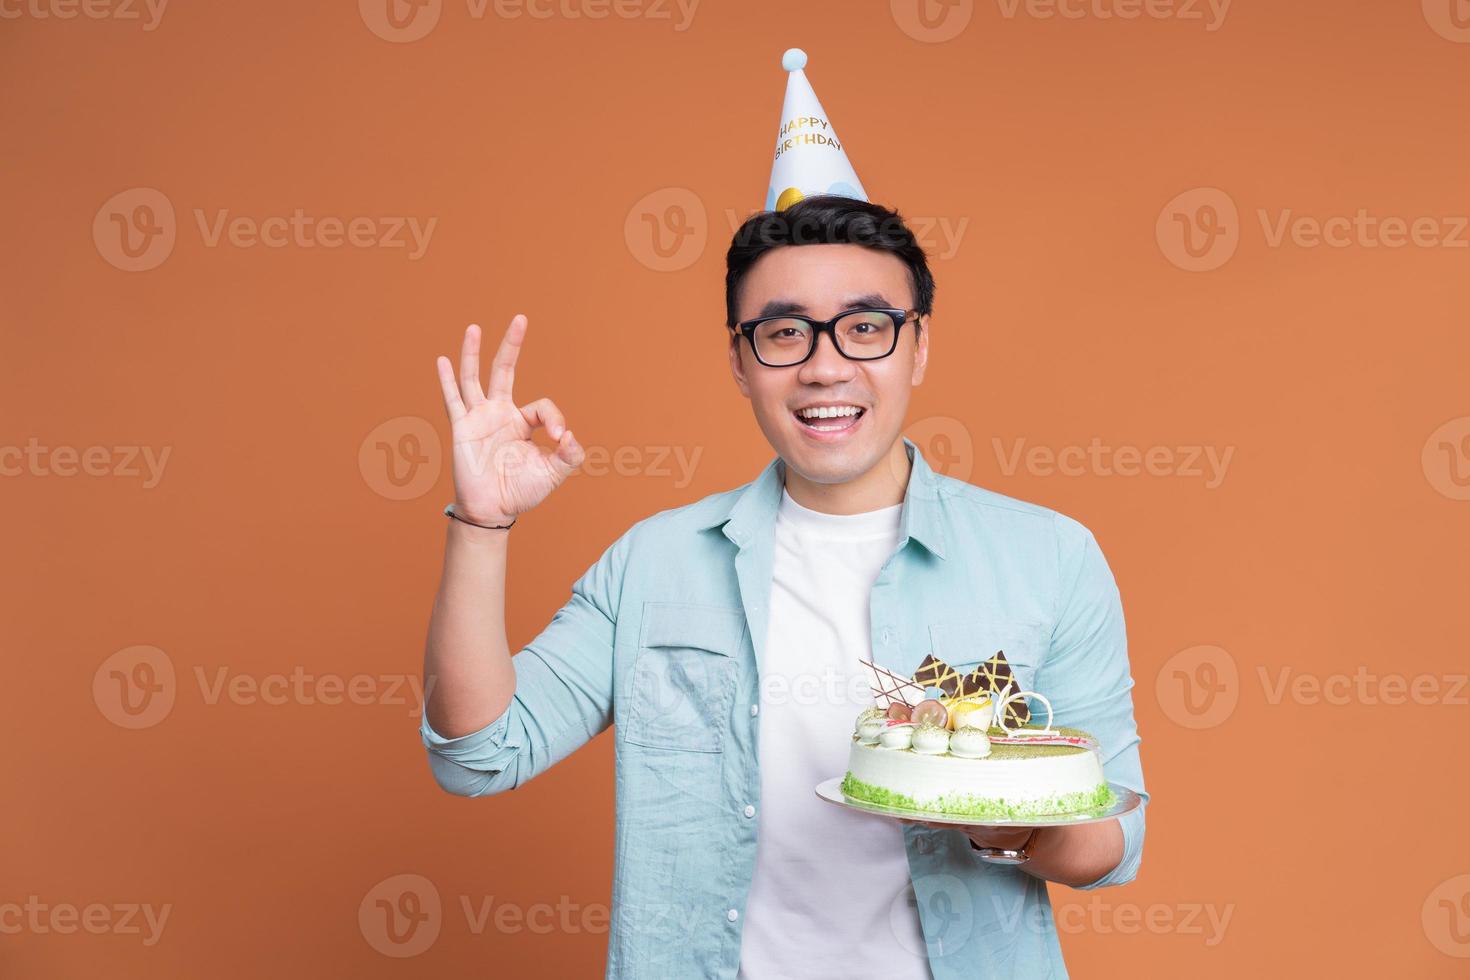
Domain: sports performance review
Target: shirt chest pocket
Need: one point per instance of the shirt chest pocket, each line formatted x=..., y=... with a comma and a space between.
x=684, y=677
x=966, y=644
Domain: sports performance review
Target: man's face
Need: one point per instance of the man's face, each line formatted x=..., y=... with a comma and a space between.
x=822, y=281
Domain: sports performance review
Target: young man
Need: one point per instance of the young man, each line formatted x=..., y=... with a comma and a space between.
x=722, y=641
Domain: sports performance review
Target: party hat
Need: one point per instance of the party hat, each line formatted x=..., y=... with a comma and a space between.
x=810, y=159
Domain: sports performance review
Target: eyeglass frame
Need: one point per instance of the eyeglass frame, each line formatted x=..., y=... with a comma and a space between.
x=819, y=327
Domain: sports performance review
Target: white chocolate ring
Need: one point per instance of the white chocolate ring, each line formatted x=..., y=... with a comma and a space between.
x=1000, y=712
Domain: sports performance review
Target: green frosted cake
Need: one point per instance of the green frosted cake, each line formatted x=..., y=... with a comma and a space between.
x=960, y=748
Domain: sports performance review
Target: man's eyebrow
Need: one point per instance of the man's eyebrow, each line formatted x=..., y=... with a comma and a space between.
x=783, y=307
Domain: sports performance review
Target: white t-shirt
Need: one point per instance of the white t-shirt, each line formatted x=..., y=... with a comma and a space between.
x=830, y=896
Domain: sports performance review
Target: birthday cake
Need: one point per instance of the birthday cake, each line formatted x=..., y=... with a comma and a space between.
x=965, y=745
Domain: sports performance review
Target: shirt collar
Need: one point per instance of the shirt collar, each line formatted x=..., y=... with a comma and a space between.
x=754, y=507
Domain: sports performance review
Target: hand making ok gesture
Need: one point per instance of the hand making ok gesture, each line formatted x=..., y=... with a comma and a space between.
x=499, y=472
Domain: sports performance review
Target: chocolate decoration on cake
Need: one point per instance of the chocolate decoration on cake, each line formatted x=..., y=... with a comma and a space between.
x=991, y=677
x=994, y=676
x=890, y=689
x=934, y=672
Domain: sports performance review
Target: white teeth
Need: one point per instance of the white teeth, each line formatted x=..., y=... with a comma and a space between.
x=828, y=412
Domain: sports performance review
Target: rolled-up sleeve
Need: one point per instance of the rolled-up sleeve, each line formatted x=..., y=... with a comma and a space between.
x=563, y=695
x=1087, y=677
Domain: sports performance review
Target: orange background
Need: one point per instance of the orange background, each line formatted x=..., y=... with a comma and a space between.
x=1331, y=834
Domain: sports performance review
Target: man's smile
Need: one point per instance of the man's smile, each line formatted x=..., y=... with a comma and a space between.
x=829, y=420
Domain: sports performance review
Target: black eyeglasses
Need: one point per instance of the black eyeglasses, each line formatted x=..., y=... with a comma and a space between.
x=858, y=335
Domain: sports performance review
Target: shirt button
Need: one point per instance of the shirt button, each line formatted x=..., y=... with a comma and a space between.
x=755, y=709
x=732, y=915
x=888, y=636
x=749, y=810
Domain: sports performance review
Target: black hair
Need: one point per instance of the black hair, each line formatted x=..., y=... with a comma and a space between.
x=826, y=219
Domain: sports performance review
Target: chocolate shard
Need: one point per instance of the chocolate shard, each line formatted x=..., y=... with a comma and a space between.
x=934, y=672
x=993, y=677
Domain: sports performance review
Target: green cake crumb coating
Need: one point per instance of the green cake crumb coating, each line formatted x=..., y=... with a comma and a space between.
x=983, y=807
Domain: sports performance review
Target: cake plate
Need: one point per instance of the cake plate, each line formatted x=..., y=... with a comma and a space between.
x=1127, y=801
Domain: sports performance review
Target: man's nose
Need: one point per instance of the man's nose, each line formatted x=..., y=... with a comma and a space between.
x=826, y=362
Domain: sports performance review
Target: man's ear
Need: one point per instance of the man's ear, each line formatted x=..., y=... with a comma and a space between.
x=737, y=367
x=921, y=352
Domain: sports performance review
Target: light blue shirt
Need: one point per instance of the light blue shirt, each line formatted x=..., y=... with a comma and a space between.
x=661, y=638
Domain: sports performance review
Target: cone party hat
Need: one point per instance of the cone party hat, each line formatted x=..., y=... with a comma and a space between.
x=810, y=159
